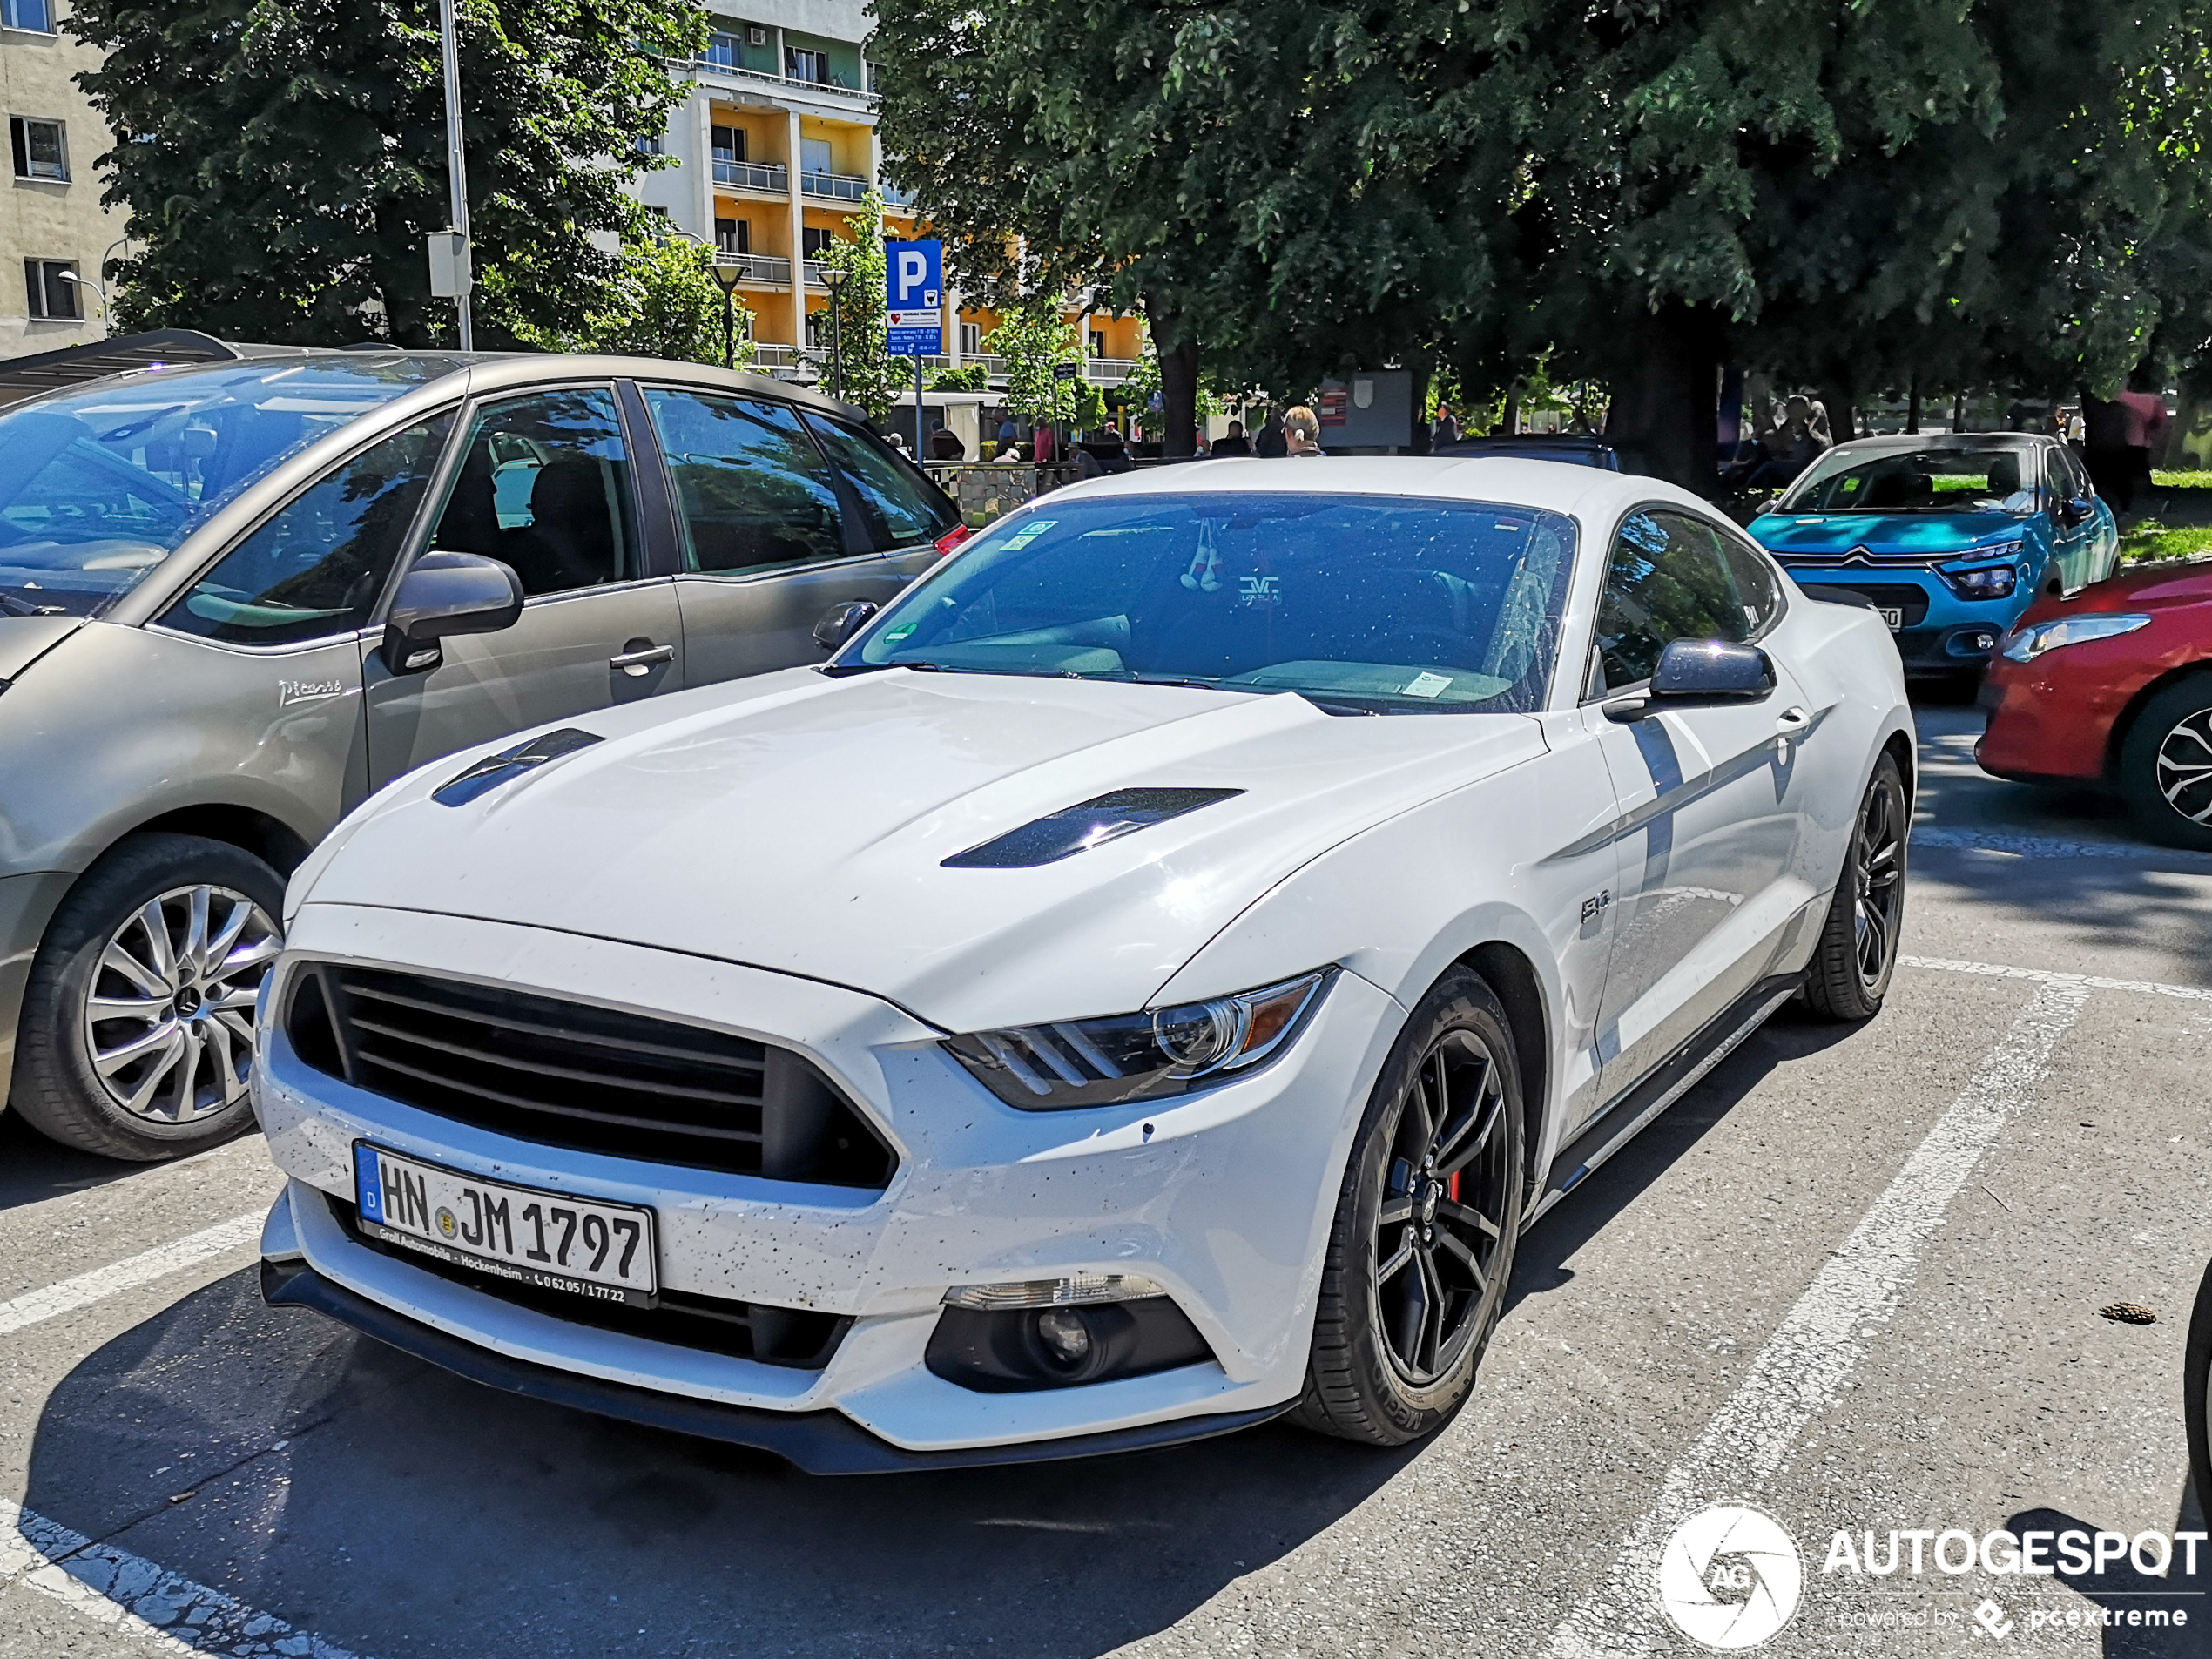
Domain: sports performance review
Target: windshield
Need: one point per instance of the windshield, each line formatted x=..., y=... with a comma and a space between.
x=1377, y=604
x=1998, y=476
x=99, y=487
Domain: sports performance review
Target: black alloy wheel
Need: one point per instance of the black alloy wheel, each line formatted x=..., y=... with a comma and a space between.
x=1856, y=955
x=1437, y=1240
x=1422, y=1243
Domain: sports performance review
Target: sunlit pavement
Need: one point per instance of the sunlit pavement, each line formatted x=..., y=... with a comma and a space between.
x=192, y=1469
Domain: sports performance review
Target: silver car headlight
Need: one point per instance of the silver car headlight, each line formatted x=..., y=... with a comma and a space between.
x=2030, y=643
x=1149, y=1055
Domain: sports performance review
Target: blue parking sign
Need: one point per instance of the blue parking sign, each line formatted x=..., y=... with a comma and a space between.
x=913, y=285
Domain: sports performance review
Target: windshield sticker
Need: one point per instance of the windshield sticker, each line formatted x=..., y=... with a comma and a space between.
x=900, y=633
x=1029, y=533
x=1260, y=590
x=1427, y=684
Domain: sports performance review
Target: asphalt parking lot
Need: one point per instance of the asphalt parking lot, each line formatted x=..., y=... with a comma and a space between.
x=1853, y=1278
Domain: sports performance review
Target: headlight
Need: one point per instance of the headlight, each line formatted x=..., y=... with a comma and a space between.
x=2028, y=643
x=1151, y=1056
x=1983, y=582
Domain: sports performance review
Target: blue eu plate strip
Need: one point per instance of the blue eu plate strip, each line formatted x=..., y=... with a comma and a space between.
x=369, y=1182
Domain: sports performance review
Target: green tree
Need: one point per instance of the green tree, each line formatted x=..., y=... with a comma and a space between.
x=281, y=163
x=874, y=378
x=663, y=301
x=969, y=377
x=1033, y=337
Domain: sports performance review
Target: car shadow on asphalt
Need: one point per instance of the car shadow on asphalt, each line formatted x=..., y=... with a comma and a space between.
x=1540, y=1263
x=33, y=1168
x=392, y=1507
x=2119, y=1591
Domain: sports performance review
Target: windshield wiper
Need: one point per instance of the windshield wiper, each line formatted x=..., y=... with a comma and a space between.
x=1182, y=679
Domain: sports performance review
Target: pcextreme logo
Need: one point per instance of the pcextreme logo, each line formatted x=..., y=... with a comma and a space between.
x=1731, y=1577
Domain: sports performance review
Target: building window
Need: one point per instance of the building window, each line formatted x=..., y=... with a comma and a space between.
x=816, y=242
x=817, y=330
x=733, y=235
x=38, y=148
x=52, y=290
x=725, y=51
x=37, y=15
x=801, y=65
x=1097, y=342
x=971, y=340
x=729, y=144
x=650, y=145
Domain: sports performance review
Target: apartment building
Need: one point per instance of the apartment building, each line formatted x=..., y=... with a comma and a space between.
x=53, y=232
x=775, y=149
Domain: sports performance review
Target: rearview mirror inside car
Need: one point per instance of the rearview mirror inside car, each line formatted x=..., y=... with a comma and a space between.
x=841, y=623
x=445, y=594
x=1699, y=673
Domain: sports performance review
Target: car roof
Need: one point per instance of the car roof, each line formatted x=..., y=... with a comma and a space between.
x=1561, y=486
x=1893, y=442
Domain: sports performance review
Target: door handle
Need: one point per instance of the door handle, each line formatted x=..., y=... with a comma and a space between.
x=1792, y=720
x=638, y=660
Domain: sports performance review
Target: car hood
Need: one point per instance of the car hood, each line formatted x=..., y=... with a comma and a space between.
x=2152, y=588
x=800, y=823
x=23, y=640
x=1929, y=537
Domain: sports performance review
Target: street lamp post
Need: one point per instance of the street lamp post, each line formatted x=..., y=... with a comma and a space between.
x=456, y=165
x=726, y=277
x=77, y=281
x=834, y=279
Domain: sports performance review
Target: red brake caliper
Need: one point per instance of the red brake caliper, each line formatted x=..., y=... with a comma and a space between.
x=1452, y=1186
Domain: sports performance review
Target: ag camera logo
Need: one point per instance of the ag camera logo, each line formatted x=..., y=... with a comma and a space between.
x=1731, y=1577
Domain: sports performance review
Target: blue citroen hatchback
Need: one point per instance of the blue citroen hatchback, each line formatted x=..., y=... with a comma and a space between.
x=1949, y=537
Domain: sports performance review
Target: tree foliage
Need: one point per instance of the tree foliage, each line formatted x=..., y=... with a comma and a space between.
x=281, y=163
x=872, y=377
x=1033, y=338
x=662, y=301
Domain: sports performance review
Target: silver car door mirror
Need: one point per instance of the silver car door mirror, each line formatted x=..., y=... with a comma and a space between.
x=446, y=594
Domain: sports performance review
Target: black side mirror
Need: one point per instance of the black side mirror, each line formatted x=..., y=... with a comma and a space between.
x=445, y=594
x=1699, y=673
x=841, y=623
x=2075, y=510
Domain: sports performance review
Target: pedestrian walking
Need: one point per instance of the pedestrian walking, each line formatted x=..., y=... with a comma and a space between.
x=1234, y=443
x=1446, y=430
x=1302, y=432
x=1271, y=443
x=2105, y=451
x=2143, y=422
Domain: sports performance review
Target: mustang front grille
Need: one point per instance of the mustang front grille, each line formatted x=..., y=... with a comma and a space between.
x=569, y=1073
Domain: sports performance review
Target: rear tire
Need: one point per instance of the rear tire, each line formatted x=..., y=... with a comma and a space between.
x=2166, y=764
x=1422, y=1245
x=136, y=1036
x=1853, y=964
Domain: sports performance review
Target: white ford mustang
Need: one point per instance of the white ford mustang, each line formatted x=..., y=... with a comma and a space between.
x=1142, y=984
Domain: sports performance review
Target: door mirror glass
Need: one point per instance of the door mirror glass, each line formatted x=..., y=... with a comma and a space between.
x=442, y=595
x=317, y=569
x=841, y=623
x=544, y=489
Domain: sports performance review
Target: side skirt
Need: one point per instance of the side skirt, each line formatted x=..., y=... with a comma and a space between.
x=1625, y=1115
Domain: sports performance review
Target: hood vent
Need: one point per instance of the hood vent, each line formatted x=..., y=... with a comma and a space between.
x=494, y=770
x=1077, y=829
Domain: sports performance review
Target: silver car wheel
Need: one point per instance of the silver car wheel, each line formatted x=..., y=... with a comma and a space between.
x=2185, y=768
x=169, y=1022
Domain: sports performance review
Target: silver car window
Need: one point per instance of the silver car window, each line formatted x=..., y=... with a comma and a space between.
x=316, y=567
x=97, y=487
x=544, y=486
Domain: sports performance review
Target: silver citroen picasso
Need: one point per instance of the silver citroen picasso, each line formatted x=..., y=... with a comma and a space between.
x=236, y=598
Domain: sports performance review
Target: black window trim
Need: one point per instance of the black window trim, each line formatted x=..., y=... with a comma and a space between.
x=1593, y=663
x=861, y=433
x=435, y=491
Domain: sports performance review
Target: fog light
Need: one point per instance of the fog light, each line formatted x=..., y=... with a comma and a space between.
x=1976, y=644
x=1066, y=1335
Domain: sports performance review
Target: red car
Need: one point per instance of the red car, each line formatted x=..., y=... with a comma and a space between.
x=2113, y=685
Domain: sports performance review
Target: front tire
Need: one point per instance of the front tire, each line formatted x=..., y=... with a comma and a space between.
x=2166, y=764
x=1422, y=1244
x=136, y=1039
x=1851, y=965
x=2196, y=1377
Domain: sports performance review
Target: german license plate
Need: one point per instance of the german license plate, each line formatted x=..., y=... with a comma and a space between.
x=551, y=1240
x=1893, y=615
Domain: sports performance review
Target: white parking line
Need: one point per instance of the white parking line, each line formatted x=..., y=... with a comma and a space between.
x=132, y=1272
x=1804, y=1363
x=140, y=1597
x=2046, y=976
